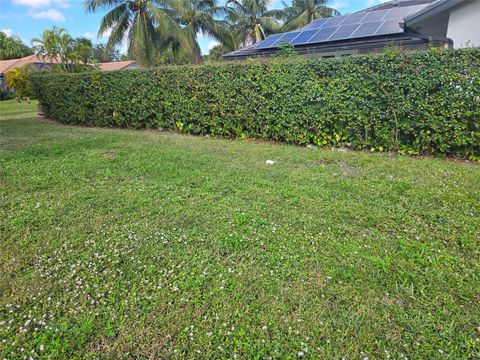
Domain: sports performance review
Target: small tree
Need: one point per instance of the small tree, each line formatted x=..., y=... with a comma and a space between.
x=286, y=50
x=216, y=52
x=102, y=54
x=17, y=79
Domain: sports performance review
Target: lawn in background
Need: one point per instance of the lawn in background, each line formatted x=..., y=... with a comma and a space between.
x=118, y=243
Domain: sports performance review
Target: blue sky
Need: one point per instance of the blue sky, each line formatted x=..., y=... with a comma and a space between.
x=28, y=18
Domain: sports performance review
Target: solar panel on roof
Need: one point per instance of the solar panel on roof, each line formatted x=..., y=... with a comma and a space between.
x=323, y=35
x=316, y=24
x=268, y=41
x=397, y=13
x=375, y=15
x=344, y=32
x=287, y=37
x=361, y=24
x=389, y=27
x=354, y=18
x=303, y=37
x=337, y=20
x=367, y=29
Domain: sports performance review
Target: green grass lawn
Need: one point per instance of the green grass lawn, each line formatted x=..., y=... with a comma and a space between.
x=120, y=243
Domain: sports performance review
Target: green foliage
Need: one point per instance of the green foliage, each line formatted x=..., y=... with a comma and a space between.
x=286, y=50
x=148, y=26
x=11, y=47
x=302, y=12
x=101, y=54
x=17, y=79
x=69, y=54
x=198, y=16
x=119, y=244
x=415, y=103
x=251, y=21
x=83, y=50
x=6, y=95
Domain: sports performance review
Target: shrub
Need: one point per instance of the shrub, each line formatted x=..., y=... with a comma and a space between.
x=416, y=103
x=17, y=79
x=6, y=95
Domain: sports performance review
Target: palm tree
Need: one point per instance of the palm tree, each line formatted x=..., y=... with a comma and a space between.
x=83, y=49
x=56, y=45
x=251, y=20
x=146, y=25
x=216, y=52
x=302, y=12
x=229, y=36
x=198, y=16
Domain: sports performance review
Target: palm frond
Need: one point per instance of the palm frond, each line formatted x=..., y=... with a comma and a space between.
x=94, y=5
x=111, y=18
x=118, y=33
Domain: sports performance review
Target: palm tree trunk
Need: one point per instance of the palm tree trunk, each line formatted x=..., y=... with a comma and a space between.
x=198, y=55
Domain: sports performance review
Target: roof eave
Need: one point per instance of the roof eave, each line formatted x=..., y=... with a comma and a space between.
x=431, y=10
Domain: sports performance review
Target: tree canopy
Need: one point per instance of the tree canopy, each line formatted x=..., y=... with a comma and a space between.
x=158, y=32
x=70, y=55
x=11, y=47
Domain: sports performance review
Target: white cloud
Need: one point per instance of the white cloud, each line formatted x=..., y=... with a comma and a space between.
x=338, y=5
x=8, y=32
x=200, y=35
x=375, y=2
x=94, y=35
x=42, y=3
x=212, y=44
x=50, y=14
x=275, y=4
x=106, y=34
x=90, y=35
x=123, y=48
x=8, y=15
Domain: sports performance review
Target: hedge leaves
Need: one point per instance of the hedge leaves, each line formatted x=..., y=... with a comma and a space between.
x=415, y=103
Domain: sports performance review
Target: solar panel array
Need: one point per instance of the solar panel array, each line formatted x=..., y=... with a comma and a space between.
x=357, y=25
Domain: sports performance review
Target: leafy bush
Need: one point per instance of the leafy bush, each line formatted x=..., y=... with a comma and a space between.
x=416, y=103
x=17, y=79
x=6, y=95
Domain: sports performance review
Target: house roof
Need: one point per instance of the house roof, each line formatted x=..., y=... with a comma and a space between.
x=396, y=3
x=432, y=9
x=7, y=65
x=383, y=22
x=117, y=65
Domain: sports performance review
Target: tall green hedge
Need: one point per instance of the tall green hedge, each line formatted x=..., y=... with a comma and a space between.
x=416, y=103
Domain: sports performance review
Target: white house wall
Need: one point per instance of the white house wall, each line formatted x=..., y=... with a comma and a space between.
x=464, y=24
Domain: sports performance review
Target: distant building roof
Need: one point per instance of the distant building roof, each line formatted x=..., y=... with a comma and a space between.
x=7, y=65
x=118, y=65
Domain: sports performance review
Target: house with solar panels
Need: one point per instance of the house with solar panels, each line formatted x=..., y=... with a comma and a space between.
x=408, y=24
